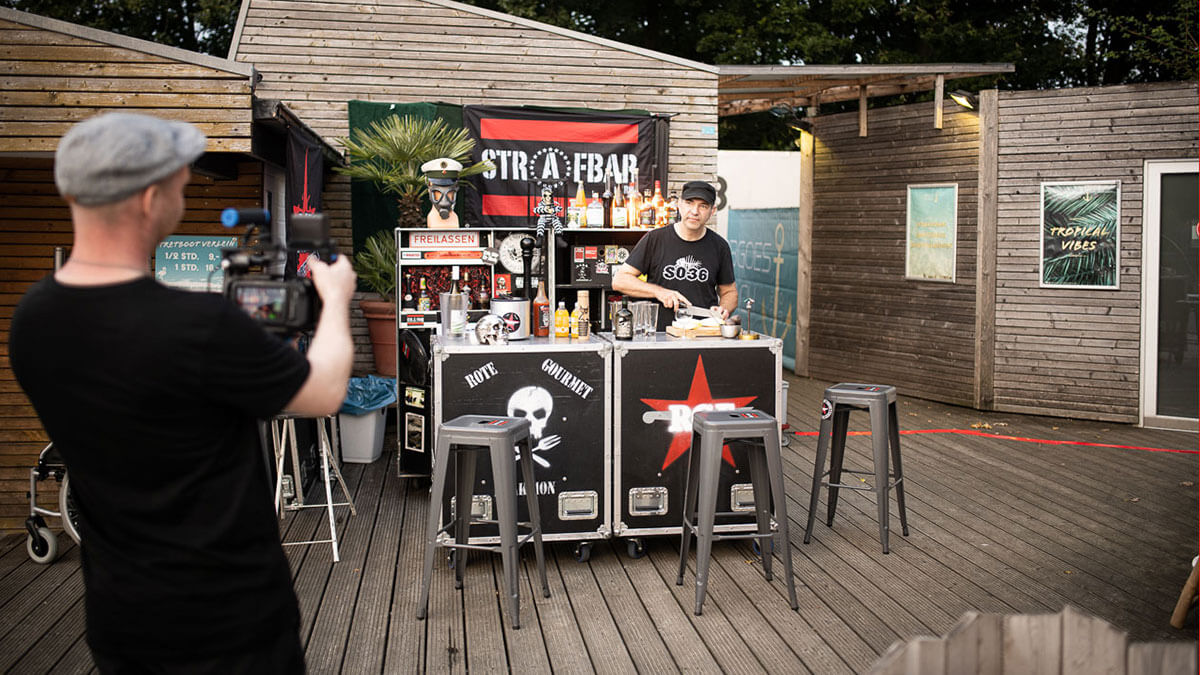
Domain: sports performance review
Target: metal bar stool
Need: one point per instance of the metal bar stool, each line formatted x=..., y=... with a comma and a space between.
x=464, y=438
x=880, y=401
x=760, y=432
x=283, y=437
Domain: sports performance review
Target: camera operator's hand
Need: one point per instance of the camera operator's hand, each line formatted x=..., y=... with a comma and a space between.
x=331, y=353
x=334, y=283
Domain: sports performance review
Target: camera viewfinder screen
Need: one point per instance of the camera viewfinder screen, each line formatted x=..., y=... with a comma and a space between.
x=263, y=303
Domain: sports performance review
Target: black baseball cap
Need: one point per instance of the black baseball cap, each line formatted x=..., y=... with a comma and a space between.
x=698, y=189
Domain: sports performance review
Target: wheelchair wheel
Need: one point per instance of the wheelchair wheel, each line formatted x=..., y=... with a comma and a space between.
x=42, y=547
x=66, y=507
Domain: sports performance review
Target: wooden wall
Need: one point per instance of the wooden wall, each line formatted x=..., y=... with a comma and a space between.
x=1076, y=352
x=318, y=55
x=868, y=323
x=33, y=222
x=53, y=74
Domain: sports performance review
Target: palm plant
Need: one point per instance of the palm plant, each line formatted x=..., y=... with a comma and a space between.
x=390, y=153
x=375, y=264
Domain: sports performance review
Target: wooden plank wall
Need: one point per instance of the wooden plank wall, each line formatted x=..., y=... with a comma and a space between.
x=1076, y=352
x=317, y=55
x=869, y=323
x=33, y=222
x=50, y=79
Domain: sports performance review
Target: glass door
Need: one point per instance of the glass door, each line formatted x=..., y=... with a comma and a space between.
x=1170, y=386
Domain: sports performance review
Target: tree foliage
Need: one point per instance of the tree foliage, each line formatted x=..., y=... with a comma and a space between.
x=1053, y=43
x=204, y=26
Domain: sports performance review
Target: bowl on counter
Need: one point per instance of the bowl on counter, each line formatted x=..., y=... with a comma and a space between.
x=730, y=330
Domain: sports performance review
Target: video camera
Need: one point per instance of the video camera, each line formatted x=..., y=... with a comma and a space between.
x=256, y=277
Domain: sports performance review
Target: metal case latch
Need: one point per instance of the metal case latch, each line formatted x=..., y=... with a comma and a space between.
x=578, y=505
x=647, y=501
x=741, y=497
x=481, y=507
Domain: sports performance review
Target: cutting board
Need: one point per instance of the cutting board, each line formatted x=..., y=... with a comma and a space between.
x=698, y=332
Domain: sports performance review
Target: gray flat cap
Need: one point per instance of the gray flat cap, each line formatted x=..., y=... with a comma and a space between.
x=106, y=158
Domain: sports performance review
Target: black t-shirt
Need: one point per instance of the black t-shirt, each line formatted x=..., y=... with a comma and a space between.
x=151, y=396
x=694, y=268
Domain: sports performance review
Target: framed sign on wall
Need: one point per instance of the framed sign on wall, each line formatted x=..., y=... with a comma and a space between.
x=932, y=232
x=1081, y=234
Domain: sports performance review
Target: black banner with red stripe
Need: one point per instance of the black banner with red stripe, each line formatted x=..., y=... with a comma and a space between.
x=533, y=148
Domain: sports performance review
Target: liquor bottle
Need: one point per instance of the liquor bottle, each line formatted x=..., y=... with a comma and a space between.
x=585, y=315
x=646, y=217
x=485, y=296
x=562, y=320
x=577, y=209
x=660, y=211
x=458, y=305
x=620, y=215
x=424, y=301
x=623, y=322
x=671, y=210
x=608, y=197
x=575, y=321
x=409, y=302
x=541, y=312
x=595, y=211
x=634, y=202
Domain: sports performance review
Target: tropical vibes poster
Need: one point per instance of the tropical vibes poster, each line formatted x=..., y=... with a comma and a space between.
x=1080, y=234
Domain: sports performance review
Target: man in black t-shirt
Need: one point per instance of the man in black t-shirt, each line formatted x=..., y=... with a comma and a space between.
x=151, y=396
x=685, y=263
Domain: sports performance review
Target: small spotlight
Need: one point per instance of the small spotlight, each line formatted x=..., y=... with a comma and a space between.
x=964, y=98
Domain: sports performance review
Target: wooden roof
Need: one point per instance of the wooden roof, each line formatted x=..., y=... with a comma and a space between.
x=57, y=73
x=502, y=17
x=746, y=89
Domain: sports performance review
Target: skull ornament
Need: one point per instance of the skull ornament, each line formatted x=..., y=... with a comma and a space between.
x=534, y=404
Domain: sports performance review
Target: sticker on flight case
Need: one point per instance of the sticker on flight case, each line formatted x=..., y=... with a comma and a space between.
x=826, y=409
x=414, y=432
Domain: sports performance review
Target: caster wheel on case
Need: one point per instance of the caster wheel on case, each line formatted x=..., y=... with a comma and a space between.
x=636, y=548
x=583, y=552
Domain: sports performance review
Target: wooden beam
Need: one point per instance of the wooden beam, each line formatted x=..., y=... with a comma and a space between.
x=939, y=92
x=862, y=111
x=757, y=105
x=804, y=255
x=985, y=252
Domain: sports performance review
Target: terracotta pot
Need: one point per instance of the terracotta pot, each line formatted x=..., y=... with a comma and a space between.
x=381, y=325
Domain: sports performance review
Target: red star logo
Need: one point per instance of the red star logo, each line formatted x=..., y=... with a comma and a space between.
x=699, y=393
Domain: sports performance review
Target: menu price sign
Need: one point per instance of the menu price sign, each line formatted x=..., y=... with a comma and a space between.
x=932, y=232
x=1081, y=234
x=191, y=263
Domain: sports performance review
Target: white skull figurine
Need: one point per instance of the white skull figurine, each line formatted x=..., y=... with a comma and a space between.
x=534, y=404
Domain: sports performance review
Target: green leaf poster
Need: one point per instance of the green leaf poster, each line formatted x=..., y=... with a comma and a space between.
x=932, y=237
x=1080, y=234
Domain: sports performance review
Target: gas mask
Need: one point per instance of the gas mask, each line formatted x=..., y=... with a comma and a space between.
x=442, y=193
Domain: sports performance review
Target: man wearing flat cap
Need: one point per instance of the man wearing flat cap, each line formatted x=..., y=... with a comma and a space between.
x=685, y=263
x=151, y=395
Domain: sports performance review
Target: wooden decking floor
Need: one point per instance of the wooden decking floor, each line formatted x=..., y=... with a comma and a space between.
x=996, y=525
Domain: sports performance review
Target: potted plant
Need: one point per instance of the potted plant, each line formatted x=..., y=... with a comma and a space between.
x=390, y=154
x=375, y=265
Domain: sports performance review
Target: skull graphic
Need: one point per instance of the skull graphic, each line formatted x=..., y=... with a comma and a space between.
x=534, y=404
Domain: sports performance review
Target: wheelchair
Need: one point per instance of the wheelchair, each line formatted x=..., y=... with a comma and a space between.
x=41, y=543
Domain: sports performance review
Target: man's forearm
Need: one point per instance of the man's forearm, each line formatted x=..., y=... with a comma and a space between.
x=628, y=284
